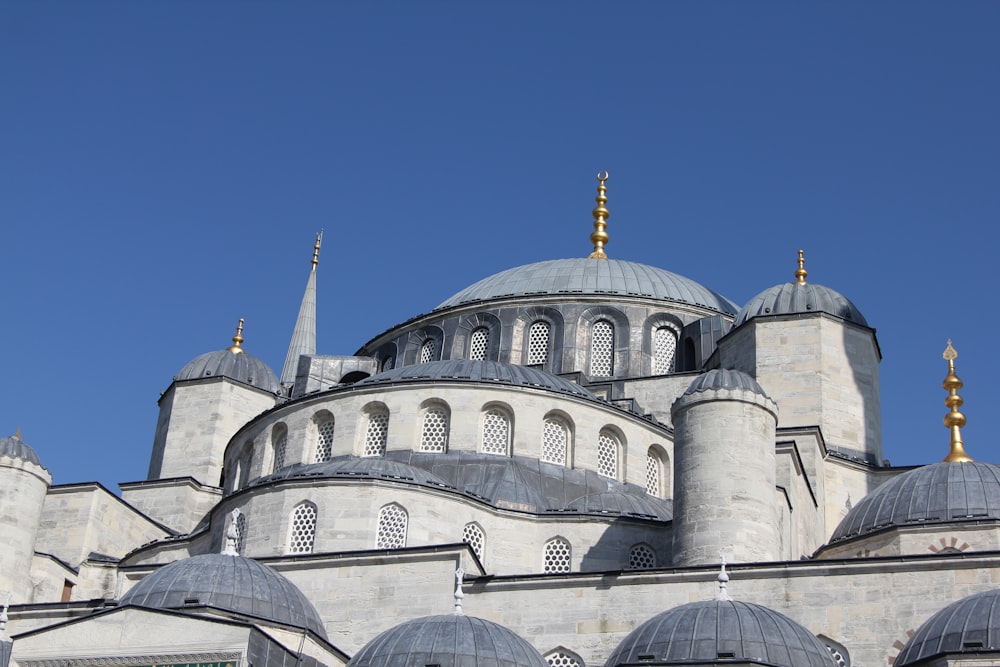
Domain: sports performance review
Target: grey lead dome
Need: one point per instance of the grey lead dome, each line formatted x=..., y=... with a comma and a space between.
x=791, y=298
x=724, y=378
x=241, y=367
x=971, y=625
x=15, y=448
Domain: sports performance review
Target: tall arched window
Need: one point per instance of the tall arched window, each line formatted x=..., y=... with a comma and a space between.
x=664, y=351
x=302, y=532
x=641, y=557
x=602, y=349
x=608, y=454
x=538, y=343
x=377, y=433
x=657, y=480
x=241, y=532
x=479, y=344
x=558, y=555
x=496, y=432
x=391, y=533
x=434, y=434
x=279, y=443
x=474, y=536
x=324, y=444
x=562, y=657
x=555, y=440
x=428, y=351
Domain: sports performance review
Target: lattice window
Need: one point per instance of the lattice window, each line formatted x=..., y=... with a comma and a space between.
x=480, y=343
x=391, y=527
x=664, y=351
x=538, y=343
x=378, y=432
x=607, y=455
x=303, y=532
x=280, y=448
x=560, y=659
x=555, y=438
x=652, y=474
x=558, y=555
x=602, y=349
x=839, y=653
x=324, y=448
x=434, y=437
x=241, y=533
x=474, y=536
x=641, y=557
x=496, y=433
x=428, y=351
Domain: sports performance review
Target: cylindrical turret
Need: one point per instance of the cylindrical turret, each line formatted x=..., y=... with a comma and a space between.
x=23, y=485
x=724, y=471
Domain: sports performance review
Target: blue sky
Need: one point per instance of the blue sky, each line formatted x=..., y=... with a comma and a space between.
x=164, y=168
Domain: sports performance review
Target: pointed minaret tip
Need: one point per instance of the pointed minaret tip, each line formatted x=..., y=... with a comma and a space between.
x=801, y=273
x=599, y=237
x=319, y=241
x=954, y=420
x=236, y=347
x=304, y=334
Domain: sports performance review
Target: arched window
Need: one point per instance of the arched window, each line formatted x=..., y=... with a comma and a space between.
x=538, y=343
x=324, y=444
x=302, y=533
x=641, y=557
x=428, y=351
x=664, y=351
x=391, y=527
x=434, y=435
x=607, y=454
x=602, y=349
x=496, y=432
x=479, y=344
x=561, y=657
x=657, y=480
x=377, y=433
x=558, y=555
x=555, y=440
x=240, y=530
x=279, y=442
x=474, y=536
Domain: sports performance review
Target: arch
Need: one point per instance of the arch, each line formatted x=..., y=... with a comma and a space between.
x=386, y=356
x=946, y=545
x=539, y=339
x=423, y=345
x=474, y=535
x=324, y=422
x=661, y=334
x=496, y=431
x=609, y=453
x=279, y=446
x=302, y=528
x=354, y=376
x=690, y=357
x=561, y=656
x=547, y=356
x=606, y=331
x=392, y=523
x=434, y=427
x=641, y=557
x=557, y=439
x=657, y=472
x=375, y=421
x=557, y=556
x=477, y=337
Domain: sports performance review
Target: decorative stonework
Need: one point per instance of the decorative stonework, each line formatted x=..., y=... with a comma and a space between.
x=899, y=644
x=948, y=545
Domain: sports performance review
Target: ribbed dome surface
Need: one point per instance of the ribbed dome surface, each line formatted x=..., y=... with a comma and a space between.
x=449, y=641
x=795, y=298
x=232, y=583
x=591, y=276
x=936, y=493
x=970, y=625
x=705, y=632
x=722, y=378
x=15, y=448
x=241, y=367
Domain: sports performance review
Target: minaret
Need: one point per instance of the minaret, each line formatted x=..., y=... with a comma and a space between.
x=304, y=335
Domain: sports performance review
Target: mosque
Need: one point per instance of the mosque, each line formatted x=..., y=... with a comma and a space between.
x=573, y=463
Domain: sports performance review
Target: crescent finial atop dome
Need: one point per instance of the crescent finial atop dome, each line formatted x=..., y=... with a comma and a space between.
x=954, y=420
x=236, y=347
x=801, y=273
x=599, y=237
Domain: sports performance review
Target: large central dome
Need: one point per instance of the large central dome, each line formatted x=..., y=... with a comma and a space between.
x=592, y=276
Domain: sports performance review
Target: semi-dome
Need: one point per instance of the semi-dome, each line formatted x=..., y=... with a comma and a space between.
x=570, y=277
x=452, y=640
x=12, y=446
x=792, y=298
x=724, y=378
x=230, y=583
x=971, y=625
x=372, y=467
x=238, y=366
x=938, y=493
x=713, y=630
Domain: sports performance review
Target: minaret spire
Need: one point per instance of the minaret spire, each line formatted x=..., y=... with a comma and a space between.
x=954, y=420
x=304, y=336
x=600, y=237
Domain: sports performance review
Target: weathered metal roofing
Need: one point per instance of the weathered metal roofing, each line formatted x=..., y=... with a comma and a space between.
x=241, y=367
x=790, y=298
x=452, y=640
x=372, y=467
x=724, y=378
x=231, y=583
x=713, y=630
x=938, y=493
x=591, y=276
x=15, y=448
x=971, y=625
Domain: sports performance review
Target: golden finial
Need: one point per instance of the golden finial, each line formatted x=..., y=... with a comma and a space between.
x=319, y=240
x=954, y=420
x=237, y=339
x=17, y=434
x=801, y=273
x=600, y=237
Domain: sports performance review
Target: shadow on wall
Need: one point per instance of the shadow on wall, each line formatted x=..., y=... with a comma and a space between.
x=628, y=544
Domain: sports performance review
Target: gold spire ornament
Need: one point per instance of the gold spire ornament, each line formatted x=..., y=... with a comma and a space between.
x=236, y=348
x=319, y=240
x=954, y=420
x=801, y=273
x=600, y=237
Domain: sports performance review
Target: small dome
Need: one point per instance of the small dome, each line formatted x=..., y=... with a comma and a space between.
x=231, y=583
x=705, y=632
x=570, y=277
x=450, y=640
x=970, y=625
x=723, y=378
x=800, y=298
x=938, y=493
x=238, y=366
x=15, y=448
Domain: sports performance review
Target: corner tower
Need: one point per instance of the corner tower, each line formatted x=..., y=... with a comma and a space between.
x=23, y=485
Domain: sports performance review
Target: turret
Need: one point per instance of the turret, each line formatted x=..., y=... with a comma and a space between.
x=23, y=485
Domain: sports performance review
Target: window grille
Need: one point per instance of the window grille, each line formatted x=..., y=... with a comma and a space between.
x=428, y=350
x=607, y=455
x=652, y=474
x=496, y=432
x=280, y=447
x=386, y=364
x=558, y=555
x=241, y=533
x=324, y=448
x=474, y=536
x=555, y=438
x=839, y=653
x=560, y=659
x=434, y=437
x=664, y=351
x=641, y=557
x=602, y=349
x=480, y=344
x=391, y=528
x=538, y=343
x=303, y=529
x=378, y=432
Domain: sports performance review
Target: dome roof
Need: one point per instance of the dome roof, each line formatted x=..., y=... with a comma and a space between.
x=938, y=493
x=570, y=277
x=376, y=467
x=15, y=448
x=970, y=625
x=231, y=583
x=704, y=632
x=478, y=371
x=800, y=298
x=724, y=378
x=238, y=366
x=451, y=640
